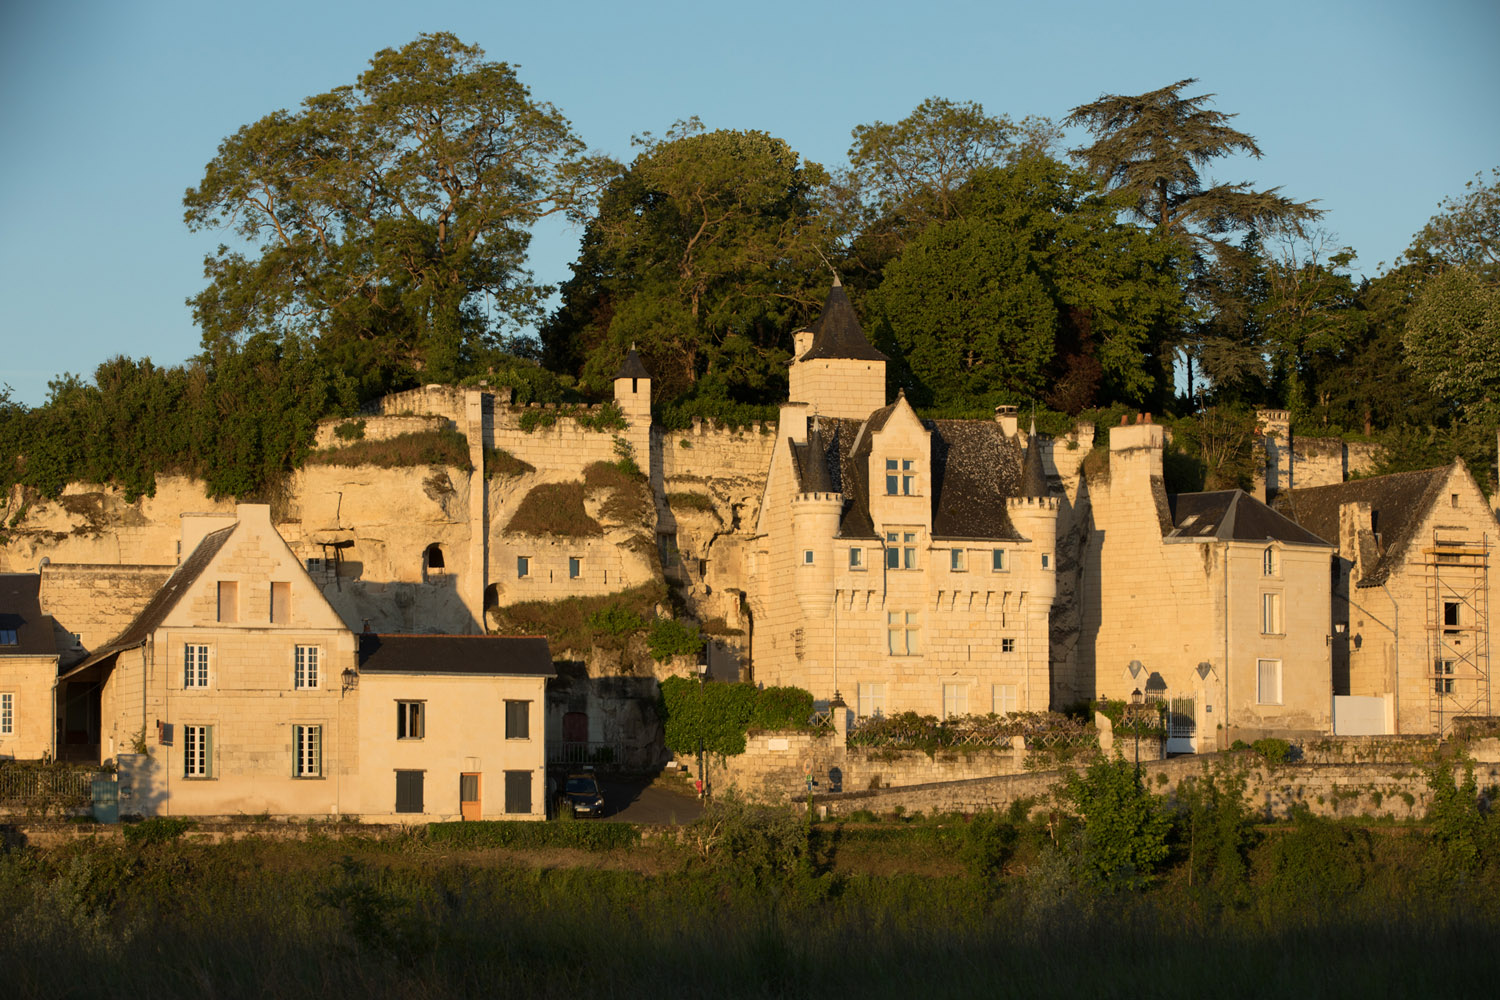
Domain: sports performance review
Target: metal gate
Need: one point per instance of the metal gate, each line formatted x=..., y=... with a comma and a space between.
x=106, y=796
x=1182, y=726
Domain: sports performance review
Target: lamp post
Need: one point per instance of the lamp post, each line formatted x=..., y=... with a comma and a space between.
x=702, y=676
x=1135, y=728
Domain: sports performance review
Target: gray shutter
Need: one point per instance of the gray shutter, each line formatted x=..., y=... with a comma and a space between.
x=518, y=791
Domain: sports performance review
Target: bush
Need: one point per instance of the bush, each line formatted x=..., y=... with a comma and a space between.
x=669, y=637
x=1124, y=829
x=442, y=447
x=499, y=462
x=1316, y=865
x=554, y=509
x=616, y=619
x=592, y=836
x=350, y=430
x=1275, y=751
x=781, y=708
x=988, y=843
x=156, y=830
x=690, y=501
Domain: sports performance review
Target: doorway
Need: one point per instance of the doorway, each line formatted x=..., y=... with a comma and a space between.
x=468, y=796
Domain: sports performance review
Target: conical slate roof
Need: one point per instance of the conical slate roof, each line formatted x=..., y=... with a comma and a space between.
x=837, y=333
x=632, y=367
x=815, y=477
x=1033, y=476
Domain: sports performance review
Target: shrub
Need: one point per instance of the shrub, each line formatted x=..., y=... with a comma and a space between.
x=499, y=462
x=156, y=830
x=690, y=501
x=566, y=623
x=616, y=619
x=1124, y=828
x=781, y=708
x=350, y=430
x=593, y=836
x=440, y=447
x=629, y=500
x=988, y=843
x=1316, y=865
x=669, y=637
x=1275, y=751
x=553, y=509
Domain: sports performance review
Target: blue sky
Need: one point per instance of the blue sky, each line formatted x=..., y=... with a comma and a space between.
x=1377, y=109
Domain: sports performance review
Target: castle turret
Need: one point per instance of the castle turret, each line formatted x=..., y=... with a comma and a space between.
x=633, y=397
x=836, y=369
x=816, y=512
x=1034, y=514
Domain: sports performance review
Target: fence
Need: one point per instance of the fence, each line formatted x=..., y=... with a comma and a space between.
x=594, y=752
x=42, y=787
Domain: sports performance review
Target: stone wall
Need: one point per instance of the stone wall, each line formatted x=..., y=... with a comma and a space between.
x=377, y=428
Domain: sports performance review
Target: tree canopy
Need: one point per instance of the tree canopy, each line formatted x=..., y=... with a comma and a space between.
x=390, y=218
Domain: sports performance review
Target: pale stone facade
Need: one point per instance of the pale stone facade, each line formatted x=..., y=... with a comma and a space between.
x=1211, y=602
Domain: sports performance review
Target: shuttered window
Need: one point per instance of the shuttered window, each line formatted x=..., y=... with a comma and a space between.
x=409, y=791
x=518, y=721
x=518, y=791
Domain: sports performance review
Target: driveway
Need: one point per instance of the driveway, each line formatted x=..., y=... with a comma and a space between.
x=639, y=800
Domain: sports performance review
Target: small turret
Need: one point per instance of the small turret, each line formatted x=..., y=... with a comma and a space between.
x=633, y=397
x=1034, y=514
x=816, y=511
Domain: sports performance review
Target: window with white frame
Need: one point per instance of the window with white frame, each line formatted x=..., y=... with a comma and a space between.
x=900, y=477
x=955, y=700
x=307, y=744
x=1004, y=696
x=997, y=560
x=523, y=567
x=197, y=751
x=1270, y=614
x=1268, y=682
x=1269, y=563
x=411, y=720
x=901, y=550
x=307, y=677
x=871, y=699
x=857, y=558
x=902, y=633
x=1442, y=679
x=958, y=560
x=7, y=713
x=807, y=557
x=575, y=567
x=194, y=666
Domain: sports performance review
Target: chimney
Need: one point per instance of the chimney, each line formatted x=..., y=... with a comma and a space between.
x=1008, y=419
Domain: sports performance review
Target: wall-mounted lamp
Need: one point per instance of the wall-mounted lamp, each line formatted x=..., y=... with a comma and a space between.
x=349, y=680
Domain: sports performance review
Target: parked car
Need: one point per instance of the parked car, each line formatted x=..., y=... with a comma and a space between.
x=581, y=793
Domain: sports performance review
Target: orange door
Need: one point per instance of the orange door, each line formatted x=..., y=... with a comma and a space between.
x=468, y=796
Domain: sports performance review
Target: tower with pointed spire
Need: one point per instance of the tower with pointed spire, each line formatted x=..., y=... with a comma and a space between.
x=836, y=369
x=633, y=397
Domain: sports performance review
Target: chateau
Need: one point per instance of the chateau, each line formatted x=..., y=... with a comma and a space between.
x=882, y=561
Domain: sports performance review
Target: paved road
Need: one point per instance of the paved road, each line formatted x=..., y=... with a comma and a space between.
x=636, y=800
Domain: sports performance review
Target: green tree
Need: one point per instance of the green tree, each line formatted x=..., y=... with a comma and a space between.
x=1466, y=230
x=385, y=216
x=1124, y=828
x=706, y=254
x=1311, y=321
x=1453, y=341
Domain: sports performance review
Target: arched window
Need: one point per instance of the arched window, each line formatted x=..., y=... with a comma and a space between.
x=1268, y=562
x=433, y=557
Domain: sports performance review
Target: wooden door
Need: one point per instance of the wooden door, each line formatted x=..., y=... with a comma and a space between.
x=468, y=796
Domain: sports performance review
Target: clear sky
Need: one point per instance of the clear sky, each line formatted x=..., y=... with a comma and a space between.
x=1378, y=109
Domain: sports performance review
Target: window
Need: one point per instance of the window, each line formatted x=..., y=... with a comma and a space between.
x=307, y=669
x=281, y=603
x=901, y=633
x=1268, y=682
x=1450, y=617
x=314, y=565
x=955, y=700
x=1442, y=670
x=575, y=567
x=433, y=556
x=518, y=721
x=307, y=751
x=197, y=751
x=997, y=560
x=900, y=477
x=1008, y=645
x=8, y=637
x=1268, y=565
x=409, y=791
x=411, y=720
x=871, y=700
x=518, y=791
x=807, y=557
x=957, y=560
x=1270, y=614
x=77, y=638
x=194, y=666
x=229, y=601
x=523, y=567
x=1046, y=560
x=901, y=550
x=1453, y=500
x=7, y=713
x=857, y=559
x=1004, y=696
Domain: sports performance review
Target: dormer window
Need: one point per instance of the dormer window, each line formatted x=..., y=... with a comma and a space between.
x=900, y=477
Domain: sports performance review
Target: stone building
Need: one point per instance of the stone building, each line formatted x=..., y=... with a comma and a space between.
x=1412, y=598
x=28, y=670
x=1210, y=602
x=906, y=565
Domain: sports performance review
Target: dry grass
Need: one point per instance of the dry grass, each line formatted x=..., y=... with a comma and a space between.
x=629, y=501
x=499, y=462
x=690, y=501
x=441, y=447
x=554, y=509
x=565, y=623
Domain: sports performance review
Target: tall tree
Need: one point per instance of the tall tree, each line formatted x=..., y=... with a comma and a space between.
x=1466, y=230
x=1453, y=341
x=705, y=255
x=390, y=217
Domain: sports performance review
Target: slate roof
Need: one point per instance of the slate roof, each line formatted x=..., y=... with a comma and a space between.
x=156, y=610
x=21, y=613
x=837, y=333
x=1033, y=476
x=481, y=655
x=632, y=366
x=975, y=470
x=1233, y=516
x=1399, y=502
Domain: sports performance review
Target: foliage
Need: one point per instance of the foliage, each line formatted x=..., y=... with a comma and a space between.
x=669, y=637
x=568, y=623
x=1453, y=341
x=1466, y=232
x=629, y=498
x=778, y=708
x=690, y=501
x=1124, y=827
x=989, y=841
x=1461, y=833
x=1315, y=866
x=385, y=214
x=444, y=447
x=350, y=430
x=499, y=462
x=927, y=733
x=485, y=834
x=709, y=717
x=616, y=619
x=156, y=830
x=605, y=417
x=1275, y=751
x=554, y=509
x=1215, y=828
x=678, y=415
x=379, y=921
x=752, y=845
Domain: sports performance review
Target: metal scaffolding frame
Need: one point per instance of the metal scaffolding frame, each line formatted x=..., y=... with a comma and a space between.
x=1458, y=629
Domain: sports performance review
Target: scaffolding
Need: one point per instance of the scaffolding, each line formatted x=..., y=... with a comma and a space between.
x=1458, y=629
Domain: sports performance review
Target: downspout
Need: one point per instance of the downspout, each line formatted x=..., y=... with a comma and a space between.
x=1396, y=632
x=56, y=680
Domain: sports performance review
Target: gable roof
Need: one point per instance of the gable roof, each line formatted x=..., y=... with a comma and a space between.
x=479, y=655
x=1400, y=502
x=837, y=333
x=165, y=599
x=1233, y=516
x=21, y=613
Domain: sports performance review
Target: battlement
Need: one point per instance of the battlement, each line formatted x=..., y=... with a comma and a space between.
x=817, y=498
x=1035, y=503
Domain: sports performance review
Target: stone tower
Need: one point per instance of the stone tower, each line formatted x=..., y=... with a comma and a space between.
x=836, y=371
x=633, y=397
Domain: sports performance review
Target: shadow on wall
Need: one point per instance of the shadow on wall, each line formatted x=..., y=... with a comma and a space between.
x=142, y=784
